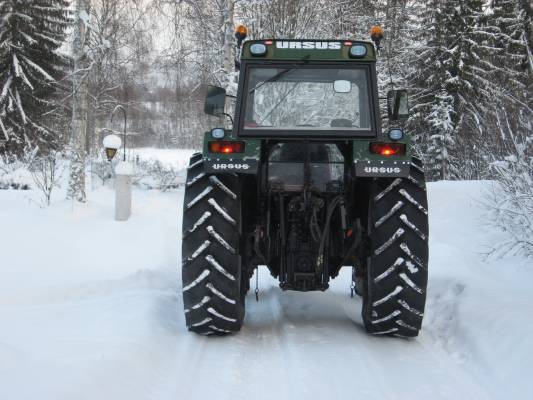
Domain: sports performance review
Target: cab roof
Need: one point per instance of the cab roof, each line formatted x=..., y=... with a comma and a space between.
x=309, y=49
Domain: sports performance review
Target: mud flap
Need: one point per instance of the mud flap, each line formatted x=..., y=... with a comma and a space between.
x=382, y=168
x=215, y=165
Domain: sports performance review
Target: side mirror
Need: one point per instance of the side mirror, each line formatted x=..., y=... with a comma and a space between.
x=397, y=105
x=215, y=100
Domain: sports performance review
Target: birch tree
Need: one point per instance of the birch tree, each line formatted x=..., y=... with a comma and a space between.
x=228, y=43
x=76, y=189
x=119, y=54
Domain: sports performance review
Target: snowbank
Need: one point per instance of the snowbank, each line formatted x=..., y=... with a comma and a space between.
x=172, y=157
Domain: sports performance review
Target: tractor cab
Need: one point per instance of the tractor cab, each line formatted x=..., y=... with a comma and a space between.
x=318, y=89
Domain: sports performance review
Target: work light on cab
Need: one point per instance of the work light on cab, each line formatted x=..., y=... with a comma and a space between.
x=358, y=51
x=226, y=147
x=217, y=133
x=388, y=149
x=258, y=49
x=396, y=134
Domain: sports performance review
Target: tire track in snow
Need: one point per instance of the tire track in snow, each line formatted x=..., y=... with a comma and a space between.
x=418, y=367
x=296, y=346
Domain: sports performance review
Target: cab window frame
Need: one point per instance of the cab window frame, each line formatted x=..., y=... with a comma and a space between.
x=244, y=88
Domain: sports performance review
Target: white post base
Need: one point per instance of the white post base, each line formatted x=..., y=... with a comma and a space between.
x=123, y=192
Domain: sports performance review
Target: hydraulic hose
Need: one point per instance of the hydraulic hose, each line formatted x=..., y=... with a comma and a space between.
x=325, y=233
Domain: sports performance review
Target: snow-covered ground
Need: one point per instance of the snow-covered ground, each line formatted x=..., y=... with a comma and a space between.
x=171, y=157
x=91, y=308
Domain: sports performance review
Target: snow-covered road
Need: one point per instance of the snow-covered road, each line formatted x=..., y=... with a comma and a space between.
x=92, y=309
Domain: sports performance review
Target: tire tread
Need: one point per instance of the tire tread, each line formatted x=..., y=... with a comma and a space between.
x=394, y=290
x=211, y=271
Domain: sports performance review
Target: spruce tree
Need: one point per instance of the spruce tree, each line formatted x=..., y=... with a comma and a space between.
x=454, y=85
x=31, y=32
x=509, y=24
x=432, y=117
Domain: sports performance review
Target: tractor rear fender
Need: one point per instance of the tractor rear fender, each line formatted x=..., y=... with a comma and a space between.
x=368, y=163
x=231, y=154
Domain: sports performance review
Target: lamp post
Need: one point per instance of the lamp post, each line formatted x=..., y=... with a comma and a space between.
x=120, y=107
x=123, y=171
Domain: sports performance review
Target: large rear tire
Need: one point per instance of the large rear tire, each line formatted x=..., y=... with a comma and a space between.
x=213, y=290
x=394, y=291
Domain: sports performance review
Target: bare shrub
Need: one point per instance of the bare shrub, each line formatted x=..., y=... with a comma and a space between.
x=154, y=174
x=46, y=171
x=510, y=202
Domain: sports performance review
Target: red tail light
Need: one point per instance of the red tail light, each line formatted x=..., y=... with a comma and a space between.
x=388, y=149
x=226, y=147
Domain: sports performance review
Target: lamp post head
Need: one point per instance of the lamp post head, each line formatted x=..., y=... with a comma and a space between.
x=110, y=153
x=111, y=143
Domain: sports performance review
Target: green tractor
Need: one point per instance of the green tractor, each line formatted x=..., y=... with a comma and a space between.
x=306, y=182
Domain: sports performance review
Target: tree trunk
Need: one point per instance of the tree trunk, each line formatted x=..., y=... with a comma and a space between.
x=229, y=42
x=76, y=190
x=92, y=147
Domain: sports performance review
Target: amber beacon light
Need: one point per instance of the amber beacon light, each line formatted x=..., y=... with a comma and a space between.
x=241, y=32
x=376, y=34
